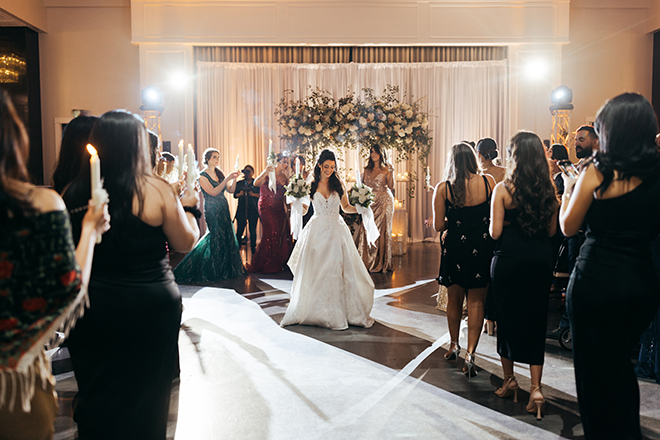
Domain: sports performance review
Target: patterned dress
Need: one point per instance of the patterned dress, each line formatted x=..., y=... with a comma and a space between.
x=467, y=247
x=216, y=256
x=275, y=246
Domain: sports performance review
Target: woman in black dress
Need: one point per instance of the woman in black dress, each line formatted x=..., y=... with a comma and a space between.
x=523, y=218
x=135, y=305
x=461, y=205
x=614, y=278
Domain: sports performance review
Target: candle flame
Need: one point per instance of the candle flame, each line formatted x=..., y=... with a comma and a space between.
x=91, y=150
x=181, y=143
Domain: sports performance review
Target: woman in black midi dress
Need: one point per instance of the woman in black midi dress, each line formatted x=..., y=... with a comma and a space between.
x=523, y=218
x=614, y=279
x=461, y=205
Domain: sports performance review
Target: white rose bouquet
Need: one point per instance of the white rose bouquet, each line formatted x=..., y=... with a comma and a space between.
x=361, y=195
x=297, y=195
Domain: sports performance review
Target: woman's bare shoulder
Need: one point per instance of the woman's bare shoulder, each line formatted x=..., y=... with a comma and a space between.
x=45, y=199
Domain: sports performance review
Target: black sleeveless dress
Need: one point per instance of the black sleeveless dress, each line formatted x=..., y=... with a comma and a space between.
x=124, y=349
x=467, y=247
x=521, y=274
x=614, y=281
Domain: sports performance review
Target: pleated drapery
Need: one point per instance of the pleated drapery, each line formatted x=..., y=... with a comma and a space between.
x=466, y=100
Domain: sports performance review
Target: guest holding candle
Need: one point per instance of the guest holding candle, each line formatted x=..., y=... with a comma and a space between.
x=275, y=247
x=378, y=175
x=132, y=291
x=43, y=282
x=216, y=257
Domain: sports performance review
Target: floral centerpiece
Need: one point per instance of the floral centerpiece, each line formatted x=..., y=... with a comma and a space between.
x=319, y=120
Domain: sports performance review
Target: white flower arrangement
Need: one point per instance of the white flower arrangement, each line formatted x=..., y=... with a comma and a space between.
x=361, y=195
x=297, y=187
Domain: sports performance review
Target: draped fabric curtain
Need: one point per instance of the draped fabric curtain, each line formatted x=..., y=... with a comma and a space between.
x=348, y=54
x=466, y=100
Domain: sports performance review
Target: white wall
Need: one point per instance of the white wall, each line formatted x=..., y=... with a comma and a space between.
x=87, y=62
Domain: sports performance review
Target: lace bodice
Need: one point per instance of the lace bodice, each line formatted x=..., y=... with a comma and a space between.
x=326, y=207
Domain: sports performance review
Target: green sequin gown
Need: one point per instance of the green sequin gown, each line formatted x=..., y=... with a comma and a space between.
x=216, y=256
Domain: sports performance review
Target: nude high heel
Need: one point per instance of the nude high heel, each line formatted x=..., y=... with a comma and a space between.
x=452, y=355
x=489, y=328
x=510, y=385
x=536, y=401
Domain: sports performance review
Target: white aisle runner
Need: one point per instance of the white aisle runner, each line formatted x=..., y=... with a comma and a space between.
x=244, y=377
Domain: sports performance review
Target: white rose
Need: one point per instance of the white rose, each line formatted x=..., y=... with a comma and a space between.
x=317, y=136
x=353, y=128
x=398, y=120
x=363, y=191
x=396, y=128
x=390, y=117
x=292, y=123
x=350, y=116
x=405, y=106
x=300, y=182
x=401, y=133
x=317, y=117
x=319, y=127
x=425, y=123
x=354, y=193
x=338, y=118
x=409, y=114
x=409, y=130
x=301, y=130
x=415, y=124
x=363, y=122
x=362, y=199
x=371, y=116
x=296, y=189
x=381, y=126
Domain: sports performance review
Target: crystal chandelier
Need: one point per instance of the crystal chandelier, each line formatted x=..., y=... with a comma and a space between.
x=11, y=66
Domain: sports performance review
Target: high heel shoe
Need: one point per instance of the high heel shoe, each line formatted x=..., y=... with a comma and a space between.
x=510, y=385
x=469, y=369
x=452, y=354
x=536, y=401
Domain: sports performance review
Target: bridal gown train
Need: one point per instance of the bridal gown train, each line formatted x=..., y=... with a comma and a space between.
x=331, y=286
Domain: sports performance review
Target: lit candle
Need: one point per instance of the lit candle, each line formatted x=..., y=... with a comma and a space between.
x=270, y=147
x=181, y=159
x=297, y=166
x=357, y=173
x=192, y=175
x=236, y=164
x=95, y=168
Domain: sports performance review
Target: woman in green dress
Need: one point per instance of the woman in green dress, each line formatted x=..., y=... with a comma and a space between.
x=216, y=257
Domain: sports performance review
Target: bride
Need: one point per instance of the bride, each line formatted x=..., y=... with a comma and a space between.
x=331, y=286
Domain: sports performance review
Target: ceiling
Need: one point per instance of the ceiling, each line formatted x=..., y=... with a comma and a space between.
x=7, y=20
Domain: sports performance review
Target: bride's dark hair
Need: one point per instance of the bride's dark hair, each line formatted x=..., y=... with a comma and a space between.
x=333, y=182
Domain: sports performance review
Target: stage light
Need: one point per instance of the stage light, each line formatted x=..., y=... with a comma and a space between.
x=561, y=96
x=536, y=69
x=152, y=99
x=178, y=80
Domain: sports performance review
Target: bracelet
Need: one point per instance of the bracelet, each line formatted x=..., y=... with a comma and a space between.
x=194, y=211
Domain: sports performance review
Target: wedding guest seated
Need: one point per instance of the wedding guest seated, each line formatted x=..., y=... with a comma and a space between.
x=43, y=279
x=73, y=151
x=247, y=210
x=135, y=302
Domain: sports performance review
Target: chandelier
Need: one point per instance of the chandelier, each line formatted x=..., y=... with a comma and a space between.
x=11, y=66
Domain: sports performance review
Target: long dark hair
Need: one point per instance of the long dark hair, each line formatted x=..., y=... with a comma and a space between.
x=207, y=156
x=13, y=157
x=460, y=164
x=381, y=153
x=123, y=147
x=73, y=152
x=528, y=181
x=626, y=126
x=333, y=182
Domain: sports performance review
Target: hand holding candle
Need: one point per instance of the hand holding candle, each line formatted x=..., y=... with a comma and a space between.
x=272, y=161
x=99, y=195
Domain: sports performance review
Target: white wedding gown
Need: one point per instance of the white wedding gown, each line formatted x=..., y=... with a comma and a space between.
x=331, y=286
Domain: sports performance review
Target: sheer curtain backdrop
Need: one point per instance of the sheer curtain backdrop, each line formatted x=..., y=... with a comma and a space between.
x=466, y=100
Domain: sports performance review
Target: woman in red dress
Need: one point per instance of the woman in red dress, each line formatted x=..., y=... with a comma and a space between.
x=275, y=246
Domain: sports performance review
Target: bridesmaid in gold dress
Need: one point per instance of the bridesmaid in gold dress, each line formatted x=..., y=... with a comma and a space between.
x=378, y=174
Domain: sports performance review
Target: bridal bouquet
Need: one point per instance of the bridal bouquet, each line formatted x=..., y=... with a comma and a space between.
x=297, y=195
x=361, y=197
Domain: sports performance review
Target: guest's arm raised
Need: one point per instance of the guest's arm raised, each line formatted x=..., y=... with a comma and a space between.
x=576, y=203
x=262, y=177
x=179, y=226
x=229, y=183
